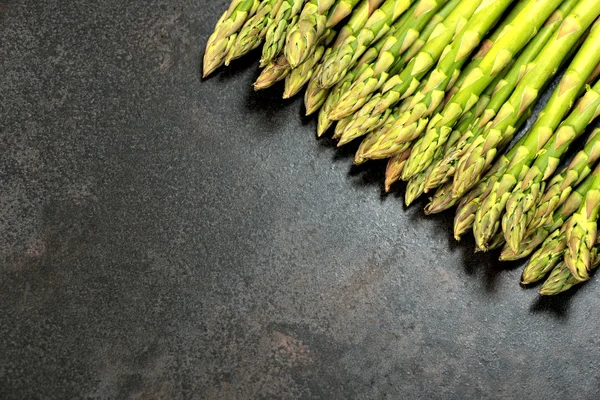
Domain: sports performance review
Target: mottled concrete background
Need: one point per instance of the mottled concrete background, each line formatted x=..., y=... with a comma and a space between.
x=167, y=238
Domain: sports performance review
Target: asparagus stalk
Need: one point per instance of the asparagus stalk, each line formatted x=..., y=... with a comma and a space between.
x=561, y=279
x=314, y=97
x=554, y=222
x=443, y=166
x=520, y=157
x=323, y=122
x=416, y=185
x=254, y=30
x=465, y=212
x=301, y=74
x=313, y=23
x=404, y=84
x=342, y=87
x=521, y=202
x=560, y=187
x=443, y=202
x=375, y=137
x=501, y=92
x=377, y=73
x=468, y=205
x=581, y=233
x=394, y=169
x=223, y=38
x=285, y=17
x=483, y=150
x=336, y=65
x=442, y=79
x=514, y=37
x=273, y=73
x=546, y=258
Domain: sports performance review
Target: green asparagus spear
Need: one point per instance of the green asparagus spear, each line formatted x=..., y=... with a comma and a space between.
x=404, y=84
x=273, y=73
x=314, y=97
x=552, y=223
x=224, y=35
x=560, y=187
x=301, y=74
x=313, y=23
x=520, y=157
x=561, y=279
x=394, y=169
x=581, y=233
x=483, y=150
x=515, y=36
x=521, y=202
x=442, y=168
x=441, y=200
x=378, y=71
x=285, y=17
x=545, y=258
x=416, y=184
x=254, y=30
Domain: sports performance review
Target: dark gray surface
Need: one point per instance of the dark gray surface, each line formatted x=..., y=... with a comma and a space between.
x=163, y=237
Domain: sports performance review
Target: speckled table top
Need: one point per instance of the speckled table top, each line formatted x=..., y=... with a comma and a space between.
x=163, y=237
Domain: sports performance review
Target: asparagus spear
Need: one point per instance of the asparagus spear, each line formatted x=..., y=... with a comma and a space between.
x=416, y=185
x=374, y=137
x=569, y=241
x=465, y=212
x=560, y=187
x=521, y=202
x=314, y=97
x=546, y=258
x=515, y=36
x=301, y=74
x=554, y=222
x=341, y=87
x=404, y=84
x=441, y=200
x=223, y=38
x=313, y=23
x=273, y=73
x=254, y=30
x=446, y=200
x=285, y=17
x=520, y=157
x=415, y=21
x=442, y=168
x=501, y=92
x=394, y=168
x=561, y=279
x=442, y=79
x=336, y=65
x=323, y=122
x=581, y=233
x=483, y=150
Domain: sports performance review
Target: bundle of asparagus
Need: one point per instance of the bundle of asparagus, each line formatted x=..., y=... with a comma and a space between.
x=442, y=89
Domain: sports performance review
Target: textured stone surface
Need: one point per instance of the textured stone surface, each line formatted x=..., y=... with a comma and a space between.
x=167, y=237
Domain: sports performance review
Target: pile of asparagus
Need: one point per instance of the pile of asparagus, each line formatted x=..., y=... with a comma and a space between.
x=441, y=88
